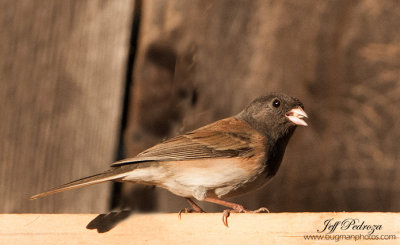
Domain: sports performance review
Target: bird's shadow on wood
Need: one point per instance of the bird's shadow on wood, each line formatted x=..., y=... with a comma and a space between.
x=124, y=207
x=105, y=222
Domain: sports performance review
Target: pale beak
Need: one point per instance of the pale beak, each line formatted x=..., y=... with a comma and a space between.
x=296, y=116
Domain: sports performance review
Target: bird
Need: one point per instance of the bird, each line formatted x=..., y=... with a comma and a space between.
x=223, y=159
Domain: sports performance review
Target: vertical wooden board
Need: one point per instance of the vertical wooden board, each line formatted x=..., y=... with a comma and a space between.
x=200, y=61
x=62, y=72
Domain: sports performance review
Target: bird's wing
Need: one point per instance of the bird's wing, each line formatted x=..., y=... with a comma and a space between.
x=225, y=138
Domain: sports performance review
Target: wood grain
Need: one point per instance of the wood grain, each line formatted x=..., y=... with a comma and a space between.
x=62, y=71
x=278, y=228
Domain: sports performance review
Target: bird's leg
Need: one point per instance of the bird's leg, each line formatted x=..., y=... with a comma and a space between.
x=236, y=208
x=195, y=208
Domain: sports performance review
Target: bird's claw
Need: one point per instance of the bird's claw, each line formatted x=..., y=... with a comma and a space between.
x=186, y=210
x=227, y=213
x=240, y=209
x=261, y=210
x=225, y=216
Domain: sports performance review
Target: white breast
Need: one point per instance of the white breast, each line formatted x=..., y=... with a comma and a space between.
x=198, y=178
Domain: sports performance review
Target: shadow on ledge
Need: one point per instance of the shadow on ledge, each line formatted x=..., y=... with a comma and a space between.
x=105, y=222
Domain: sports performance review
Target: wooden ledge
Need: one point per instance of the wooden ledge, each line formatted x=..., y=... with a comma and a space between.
x=274, y=228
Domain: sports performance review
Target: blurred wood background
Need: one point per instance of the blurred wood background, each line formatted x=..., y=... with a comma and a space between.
x=63, y=80
x=61, y=92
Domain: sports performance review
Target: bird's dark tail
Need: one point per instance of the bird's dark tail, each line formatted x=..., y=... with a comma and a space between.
x=111, y=174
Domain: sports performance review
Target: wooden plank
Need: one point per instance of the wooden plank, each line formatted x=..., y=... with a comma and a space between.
x=61, y=86
x=274, y=228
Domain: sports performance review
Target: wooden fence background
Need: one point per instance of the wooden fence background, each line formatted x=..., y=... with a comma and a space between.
x=66, y=68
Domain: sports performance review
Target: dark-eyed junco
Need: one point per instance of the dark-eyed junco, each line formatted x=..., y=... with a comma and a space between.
x=222, y=159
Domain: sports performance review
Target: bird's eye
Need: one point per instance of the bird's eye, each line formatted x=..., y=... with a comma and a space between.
x=276, y=103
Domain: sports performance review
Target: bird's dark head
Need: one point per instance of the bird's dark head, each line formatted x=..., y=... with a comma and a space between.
x=275, y=114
